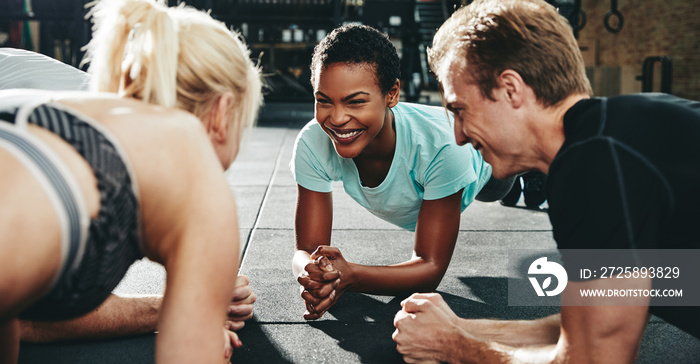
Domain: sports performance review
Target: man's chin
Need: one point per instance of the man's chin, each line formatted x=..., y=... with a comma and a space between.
x=496, y=175
x=502, y=173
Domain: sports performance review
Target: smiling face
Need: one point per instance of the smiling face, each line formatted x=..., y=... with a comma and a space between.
x=490, y=126
x=352, y=110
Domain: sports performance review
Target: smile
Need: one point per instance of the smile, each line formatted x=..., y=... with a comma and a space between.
x=345, y=137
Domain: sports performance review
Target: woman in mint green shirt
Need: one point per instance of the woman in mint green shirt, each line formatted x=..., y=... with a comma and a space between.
x=398, y=160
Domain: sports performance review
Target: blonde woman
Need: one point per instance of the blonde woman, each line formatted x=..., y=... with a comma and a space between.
x=118, y=315
x=90, y=182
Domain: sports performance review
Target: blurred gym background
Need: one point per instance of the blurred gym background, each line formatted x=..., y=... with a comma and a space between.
x=628, y=45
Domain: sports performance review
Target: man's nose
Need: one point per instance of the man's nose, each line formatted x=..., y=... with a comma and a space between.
x=460, y=137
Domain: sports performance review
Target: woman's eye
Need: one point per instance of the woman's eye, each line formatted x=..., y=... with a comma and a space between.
x=322, y=101
x=355, y=102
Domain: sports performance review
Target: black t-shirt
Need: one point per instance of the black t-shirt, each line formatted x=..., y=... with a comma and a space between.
x=628, y=176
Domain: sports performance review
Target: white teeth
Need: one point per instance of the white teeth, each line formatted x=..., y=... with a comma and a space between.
x=345, y=136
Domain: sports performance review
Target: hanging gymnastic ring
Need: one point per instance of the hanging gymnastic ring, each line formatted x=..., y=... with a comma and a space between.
x=620, y=22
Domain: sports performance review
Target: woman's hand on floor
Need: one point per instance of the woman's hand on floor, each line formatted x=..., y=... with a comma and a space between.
x=319, y=281
x=241, y=307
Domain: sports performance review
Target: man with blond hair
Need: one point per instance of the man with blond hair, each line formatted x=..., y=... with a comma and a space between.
x=622, y=174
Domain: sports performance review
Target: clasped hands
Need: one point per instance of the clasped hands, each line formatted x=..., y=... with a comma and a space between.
x=321, y=281
x=239, y=310
x=423, y=328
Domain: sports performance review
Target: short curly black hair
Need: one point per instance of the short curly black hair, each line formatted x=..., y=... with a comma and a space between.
x=358, y=44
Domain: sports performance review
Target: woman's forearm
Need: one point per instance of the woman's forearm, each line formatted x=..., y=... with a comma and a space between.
x=117, y=316
x=9, y=340
x=416, y=275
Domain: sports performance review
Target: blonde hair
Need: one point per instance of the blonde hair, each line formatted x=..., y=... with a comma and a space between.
x=175, y=57
x=527, y=36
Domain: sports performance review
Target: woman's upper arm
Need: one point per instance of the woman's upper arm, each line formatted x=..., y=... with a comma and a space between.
x=184, y=196
x=437, y=228
x=313, y=219
x=190, y=224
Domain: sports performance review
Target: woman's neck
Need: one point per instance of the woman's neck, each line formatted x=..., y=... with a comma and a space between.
x=374, y=163
x=384, y=144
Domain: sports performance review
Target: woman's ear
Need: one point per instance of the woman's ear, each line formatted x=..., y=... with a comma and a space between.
x=392, y=98
x=220, y=117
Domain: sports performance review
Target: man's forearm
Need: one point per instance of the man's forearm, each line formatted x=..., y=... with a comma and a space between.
x=427, y=329
x=472, y=350
x=117, y=316
x=515, y=333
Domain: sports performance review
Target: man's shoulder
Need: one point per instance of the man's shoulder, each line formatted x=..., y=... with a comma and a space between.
x=655, y=105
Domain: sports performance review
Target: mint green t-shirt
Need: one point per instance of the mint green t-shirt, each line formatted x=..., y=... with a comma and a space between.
x=427, y=165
